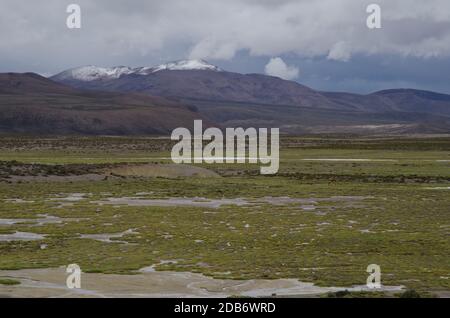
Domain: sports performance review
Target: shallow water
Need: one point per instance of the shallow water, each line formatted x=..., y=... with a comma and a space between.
x=72, y=197
x=42, y=220
x=195, y=202
x=105, y=237
x=307, y=203
x=350, y=159
x=438, y=188
x=18, y=201
x=21, y=236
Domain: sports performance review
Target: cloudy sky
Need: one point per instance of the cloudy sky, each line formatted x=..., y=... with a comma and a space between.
x=324, y=44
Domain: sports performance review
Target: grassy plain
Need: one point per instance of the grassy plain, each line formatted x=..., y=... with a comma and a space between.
x=365, y=201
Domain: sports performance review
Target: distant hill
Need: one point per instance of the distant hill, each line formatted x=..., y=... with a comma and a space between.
x=123, y=101
x=416, y=100
x=30, y=103
x=228, y=99
x=31, y=83
x=195, y=80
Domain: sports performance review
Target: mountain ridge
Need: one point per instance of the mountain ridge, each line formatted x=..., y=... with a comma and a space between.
x=154, y=100
x=205, y=84
x=90, y=73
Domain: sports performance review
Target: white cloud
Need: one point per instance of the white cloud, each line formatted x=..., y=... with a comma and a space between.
x=209, y=48
x=34, y=32
x=277, y=67
x=340, y=52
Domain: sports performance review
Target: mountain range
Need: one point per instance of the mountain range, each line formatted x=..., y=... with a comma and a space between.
x=154, y=100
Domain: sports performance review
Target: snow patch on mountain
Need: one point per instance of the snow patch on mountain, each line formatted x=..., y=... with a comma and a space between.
x=187, y=65
x=93, y=73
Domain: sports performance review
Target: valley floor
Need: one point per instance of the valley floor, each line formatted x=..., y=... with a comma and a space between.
x=120, y=210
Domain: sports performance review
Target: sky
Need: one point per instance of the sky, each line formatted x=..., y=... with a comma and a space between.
x=323, y=44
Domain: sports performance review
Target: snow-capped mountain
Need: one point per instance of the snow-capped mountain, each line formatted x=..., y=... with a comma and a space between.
x=116, y=103
x=93, y=73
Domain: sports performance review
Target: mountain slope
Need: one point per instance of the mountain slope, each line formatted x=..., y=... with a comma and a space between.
x=28, y=83
x=30, y=103
x=189, y=79
x=198, y=80
x=416, y=100
x=234, y=99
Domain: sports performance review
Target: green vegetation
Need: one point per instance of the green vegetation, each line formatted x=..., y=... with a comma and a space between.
x=393, y=213
x=348, y=294
x=410, y=294
x=7, y=281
